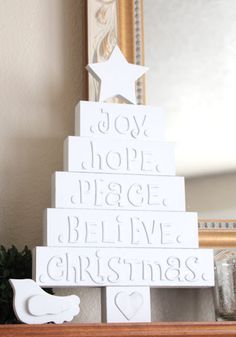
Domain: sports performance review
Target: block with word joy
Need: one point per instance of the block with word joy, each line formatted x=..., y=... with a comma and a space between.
x=110, y=191
x=80, y=228
x=120, y=121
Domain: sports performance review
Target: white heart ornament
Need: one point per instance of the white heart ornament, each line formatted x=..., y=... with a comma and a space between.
x=129, y=304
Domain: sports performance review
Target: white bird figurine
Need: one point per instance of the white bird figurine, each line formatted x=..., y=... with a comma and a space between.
x=32, y=305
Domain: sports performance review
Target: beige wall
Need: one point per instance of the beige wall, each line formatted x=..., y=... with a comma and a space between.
x=42, y=77
x=41, y=80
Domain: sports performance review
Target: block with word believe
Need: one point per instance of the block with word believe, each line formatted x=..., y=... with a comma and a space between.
x=114, y=191
x=72, y=227
x=90, y=266
x=119, y=121
x=83, y=154
x=126, y=304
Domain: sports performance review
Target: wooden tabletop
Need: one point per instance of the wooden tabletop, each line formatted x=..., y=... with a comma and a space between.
x=185, y=329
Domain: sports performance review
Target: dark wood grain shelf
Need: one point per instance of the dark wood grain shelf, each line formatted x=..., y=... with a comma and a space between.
x=185, y=329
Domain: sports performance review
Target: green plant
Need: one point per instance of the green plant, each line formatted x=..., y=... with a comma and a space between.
x=13, y=264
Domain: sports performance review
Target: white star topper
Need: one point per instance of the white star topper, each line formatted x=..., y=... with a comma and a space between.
x=116, y=76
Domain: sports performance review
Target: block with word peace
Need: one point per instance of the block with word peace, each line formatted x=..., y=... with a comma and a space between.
x=114, y=191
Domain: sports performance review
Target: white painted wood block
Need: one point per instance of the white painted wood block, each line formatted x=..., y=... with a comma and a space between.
x=100, y=267
x=126, y=304
x=123, y=121
x=32, y=305
x=72, y=227
x=83, y=154
x=116, y=76
x=110, y=191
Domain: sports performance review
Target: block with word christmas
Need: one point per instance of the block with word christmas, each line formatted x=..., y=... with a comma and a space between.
x=118, y=218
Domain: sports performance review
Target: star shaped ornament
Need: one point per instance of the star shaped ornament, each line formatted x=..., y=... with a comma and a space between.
x=117, y=77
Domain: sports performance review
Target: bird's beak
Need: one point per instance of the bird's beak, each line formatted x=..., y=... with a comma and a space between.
x=13, y=283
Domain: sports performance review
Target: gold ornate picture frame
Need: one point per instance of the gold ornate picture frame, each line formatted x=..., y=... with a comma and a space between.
x=121, y=21
x=217, y=233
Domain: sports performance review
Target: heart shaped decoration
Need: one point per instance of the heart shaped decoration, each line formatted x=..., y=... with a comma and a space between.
x=128, y=304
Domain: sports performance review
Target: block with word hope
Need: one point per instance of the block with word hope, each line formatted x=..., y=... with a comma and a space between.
x=72, y=227
x=126, y=304
x=83, y=154
x=101, y=267
x=110, y=191
x=119, y=121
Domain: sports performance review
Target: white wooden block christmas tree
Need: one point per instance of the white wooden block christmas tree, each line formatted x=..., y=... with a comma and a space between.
x=118, y=219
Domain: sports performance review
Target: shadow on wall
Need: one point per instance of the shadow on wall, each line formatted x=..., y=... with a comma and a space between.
x=212, y=196
x=182, y=305
x=43, y=58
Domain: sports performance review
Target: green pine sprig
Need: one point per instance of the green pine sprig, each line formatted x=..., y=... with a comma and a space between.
x=16, y=265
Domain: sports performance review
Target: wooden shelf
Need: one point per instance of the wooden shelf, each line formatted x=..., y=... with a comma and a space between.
x=185, y=329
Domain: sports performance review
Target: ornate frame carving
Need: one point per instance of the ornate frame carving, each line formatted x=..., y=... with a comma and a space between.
x=121, y=21
x=111, y=22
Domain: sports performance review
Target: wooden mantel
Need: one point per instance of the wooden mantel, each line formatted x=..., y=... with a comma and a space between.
x=187, y=329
